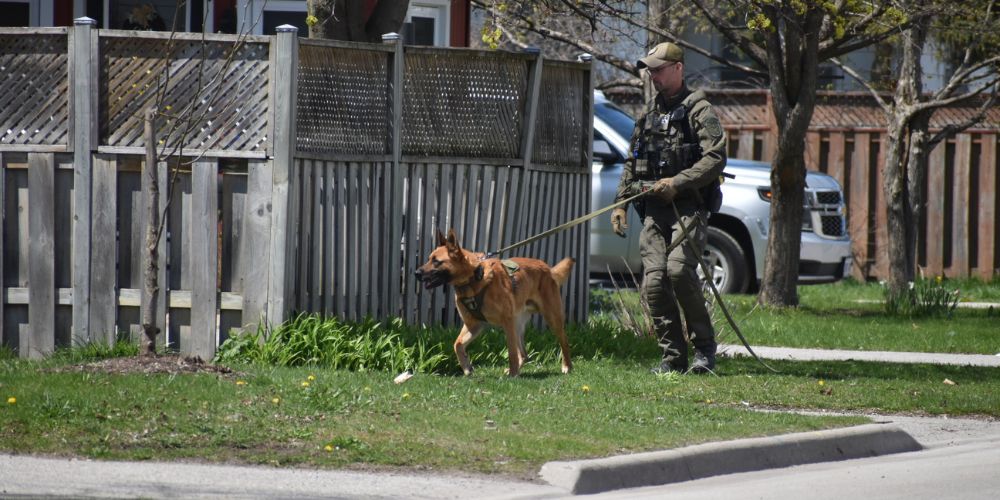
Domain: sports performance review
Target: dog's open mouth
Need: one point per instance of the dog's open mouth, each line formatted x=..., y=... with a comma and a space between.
x=432, y=280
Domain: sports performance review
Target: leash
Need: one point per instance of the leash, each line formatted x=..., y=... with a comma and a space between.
x=574, y=222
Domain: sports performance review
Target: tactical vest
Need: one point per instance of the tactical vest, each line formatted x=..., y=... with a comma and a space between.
x=667, y=145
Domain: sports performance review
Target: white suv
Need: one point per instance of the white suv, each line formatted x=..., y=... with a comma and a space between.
x=737, y=234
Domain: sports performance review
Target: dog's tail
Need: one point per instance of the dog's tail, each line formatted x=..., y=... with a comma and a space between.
x=560, y=272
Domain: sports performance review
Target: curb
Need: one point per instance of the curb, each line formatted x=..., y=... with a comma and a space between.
x=727, y=457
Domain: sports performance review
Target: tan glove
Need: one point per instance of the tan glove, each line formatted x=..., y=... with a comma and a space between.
x=618, y=221
x=664, y=188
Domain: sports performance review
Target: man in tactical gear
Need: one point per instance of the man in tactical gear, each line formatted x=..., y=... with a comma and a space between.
x=677, y=151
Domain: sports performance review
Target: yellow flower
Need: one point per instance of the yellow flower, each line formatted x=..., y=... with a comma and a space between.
x=311, y=377
x=585, y=388
x=305, y=383
x=276, y=400
x=406, y=395
x=821, y=382
x=11, y=400
x=328, y=448
x=241, y=382
x=938, y=279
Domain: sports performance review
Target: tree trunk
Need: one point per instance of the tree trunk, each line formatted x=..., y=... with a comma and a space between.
x=151, y=288
x=898, y=217
x=898, y=188
x=784, y=240
x=793, y=98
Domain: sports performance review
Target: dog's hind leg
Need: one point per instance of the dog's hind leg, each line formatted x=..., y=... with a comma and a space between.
x=521, y=323
x=554, y=317
x=465, y=337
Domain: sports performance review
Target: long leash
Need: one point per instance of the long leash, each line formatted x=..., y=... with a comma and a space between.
x=574, y=222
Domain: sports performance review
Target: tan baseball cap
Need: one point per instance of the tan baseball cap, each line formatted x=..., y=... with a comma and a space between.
x=663, y=53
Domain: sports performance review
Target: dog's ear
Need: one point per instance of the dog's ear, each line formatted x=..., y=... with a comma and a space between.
x=440, y=238
x=452, y=238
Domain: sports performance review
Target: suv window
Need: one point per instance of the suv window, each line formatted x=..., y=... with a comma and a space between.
x=614, y=116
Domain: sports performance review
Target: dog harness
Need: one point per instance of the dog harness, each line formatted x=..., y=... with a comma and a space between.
x=474, y=304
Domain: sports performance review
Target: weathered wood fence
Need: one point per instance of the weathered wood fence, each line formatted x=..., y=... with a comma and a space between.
x=313, y=180
x=959, y=232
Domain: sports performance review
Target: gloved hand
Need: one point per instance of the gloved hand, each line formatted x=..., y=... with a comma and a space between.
x=664, y=188
x=618, y=221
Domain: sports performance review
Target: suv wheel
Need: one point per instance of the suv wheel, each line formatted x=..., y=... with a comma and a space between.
x=727, y=261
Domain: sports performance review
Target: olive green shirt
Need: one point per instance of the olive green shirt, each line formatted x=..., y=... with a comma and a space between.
x=704, y=125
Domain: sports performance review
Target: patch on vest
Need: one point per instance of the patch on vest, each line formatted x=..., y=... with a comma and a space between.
x=713, y=127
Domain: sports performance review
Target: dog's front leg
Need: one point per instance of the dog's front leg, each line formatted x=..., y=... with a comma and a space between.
x=514, y=357
x=465, y=337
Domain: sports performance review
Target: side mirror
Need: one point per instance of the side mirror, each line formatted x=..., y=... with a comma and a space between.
x=603, y=152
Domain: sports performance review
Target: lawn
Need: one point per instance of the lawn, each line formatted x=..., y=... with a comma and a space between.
x=285, y=405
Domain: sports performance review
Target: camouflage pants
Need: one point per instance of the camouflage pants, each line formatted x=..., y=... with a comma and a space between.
x=672, y=279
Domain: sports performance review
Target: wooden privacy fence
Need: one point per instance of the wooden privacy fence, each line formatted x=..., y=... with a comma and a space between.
x=959, y=231
x=315, y=175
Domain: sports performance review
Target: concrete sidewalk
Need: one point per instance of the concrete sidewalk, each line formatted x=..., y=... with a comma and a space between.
x=794, y=354
x=728, y=457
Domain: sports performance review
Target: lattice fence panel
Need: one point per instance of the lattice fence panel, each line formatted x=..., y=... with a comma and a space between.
x=560, y=128
x=34, y=101
x=463, y=105
x=216, y=92
x=343, y=103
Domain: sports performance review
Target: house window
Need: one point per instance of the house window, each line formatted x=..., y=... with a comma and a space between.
x=261, y=17
x=427, y=23
x=25, y=13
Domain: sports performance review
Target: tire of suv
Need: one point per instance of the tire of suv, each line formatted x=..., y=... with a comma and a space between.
x=728, y=262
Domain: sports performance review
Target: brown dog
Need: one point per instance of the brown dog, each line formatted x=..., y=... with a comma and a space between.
x=498, y=292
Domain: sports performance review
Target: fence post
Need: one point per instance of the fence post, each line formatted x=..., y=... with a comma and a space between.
x=284, y=74
x=395, y=224
x=511, y=232
x=83, y=85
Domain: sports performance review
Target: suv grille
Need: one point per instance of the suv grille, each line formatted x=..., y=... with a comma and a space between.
x=828, y=197
x=833, y=225
x=826, y=215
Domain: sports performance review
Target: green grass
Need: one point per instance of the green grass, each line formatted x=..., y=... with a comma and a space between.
x=319, y=393
x=847, y=315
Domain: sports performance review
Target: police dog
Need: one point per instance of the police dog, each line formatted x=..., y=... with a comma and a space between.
x=502, y=293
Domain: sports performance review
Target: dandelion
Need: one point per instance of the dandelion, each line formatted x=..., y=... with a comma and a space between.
x=406, y=395
x=328, y=448
x=305, y=383
x=241, y=382
x=585, y=389
x=821, y=382
x=276, y=400
x=11, y=400
x=311, y=377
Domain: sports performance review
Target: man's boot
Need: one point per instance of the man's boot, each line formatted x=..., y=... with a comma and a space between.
x=703, y=363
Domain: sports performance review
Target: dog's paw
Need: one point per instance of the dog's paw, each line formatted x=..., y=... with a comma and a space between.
x=567, y=368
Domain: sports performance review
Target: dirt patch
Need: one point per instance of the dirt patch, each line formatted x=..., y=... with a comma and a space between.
x=168, y=364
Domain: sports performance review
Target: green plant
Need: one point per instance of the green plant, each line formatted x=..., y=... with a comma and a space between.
x=923, y=298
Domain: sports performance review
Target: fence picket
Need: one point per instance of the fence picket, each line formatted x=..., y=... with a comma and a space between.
x=987, y=184
x=960, y=208
x=40, y=338
x=934, y=242
x=103, y=296
x=257, y=232
x=204, y=260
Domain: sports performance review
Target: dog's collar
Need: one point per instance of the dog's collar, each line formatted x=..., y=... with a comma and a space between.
x=477, y=276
